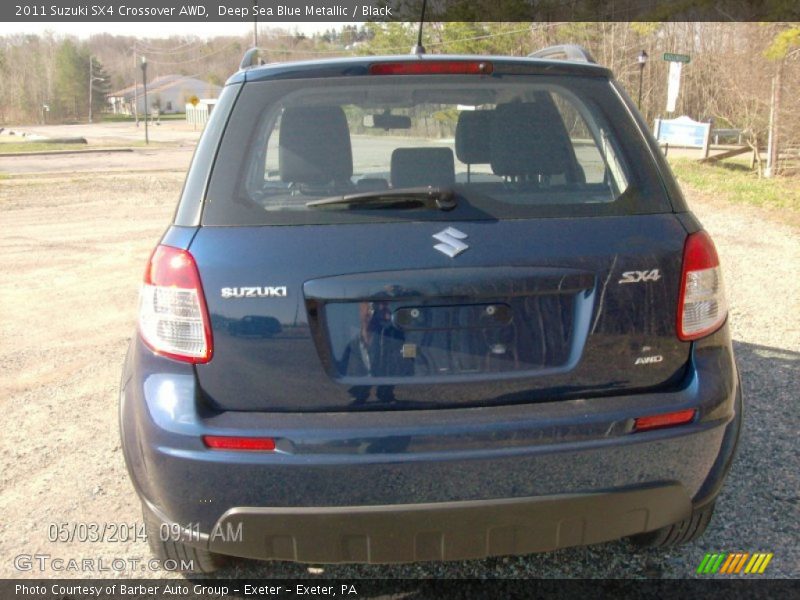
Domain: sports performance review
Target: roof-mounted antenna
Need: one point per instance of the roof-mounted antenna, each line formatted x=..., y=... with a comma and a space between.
x=419, y=48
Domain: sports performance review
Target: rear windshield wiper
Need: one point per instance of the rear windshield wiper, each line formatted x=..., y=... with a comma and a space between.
x=431, y=197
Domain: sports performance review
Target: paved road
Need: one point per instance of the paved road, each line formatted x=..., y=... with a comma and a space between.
x=156, y=159
x=180, y=137
x=111, y=133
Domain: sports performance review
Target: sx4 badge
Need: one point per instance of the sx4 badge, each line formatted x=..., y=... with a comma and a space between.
x=640, y=276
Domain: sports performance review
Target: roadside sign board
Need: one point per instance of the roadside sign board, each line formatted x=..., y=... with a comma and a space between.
x=673, y=85
x=681, y=58
x=683, y=131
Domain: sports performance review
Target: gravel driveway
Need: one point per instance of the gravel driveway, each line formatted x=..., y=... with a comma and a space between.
x=73, y=253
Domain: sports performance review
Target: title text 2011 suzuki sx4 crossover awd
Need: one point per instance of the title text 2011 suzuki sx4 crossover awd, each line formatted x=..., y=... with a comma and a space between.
x=427, y=308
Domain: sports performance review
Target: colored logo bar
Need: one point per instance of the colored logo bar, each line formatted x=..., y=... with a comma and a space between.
x=734, y=563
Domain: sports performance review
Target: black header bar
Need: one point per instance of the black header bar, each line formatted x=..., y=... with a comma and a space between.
x=296, y=11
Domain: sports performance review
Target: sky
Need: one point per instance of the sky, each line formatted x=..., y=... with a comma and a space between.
x=156, y=30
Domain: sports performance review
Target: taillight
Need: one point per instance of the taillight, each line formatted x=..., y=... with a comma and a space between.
x=173, y=318
x=223, y=442
x=432, y=67
x=701, y=305
x=680, y=417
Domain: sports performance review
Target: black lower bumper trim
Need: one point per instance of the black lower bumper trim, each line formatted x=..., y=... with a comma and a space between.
x=447, y=530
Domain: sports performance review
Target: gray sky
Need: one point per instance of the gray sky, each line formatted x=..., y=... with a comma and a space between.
x=155, y=30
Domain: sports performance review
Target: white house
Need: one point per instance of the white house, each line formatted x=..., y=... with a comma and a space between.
x=166, y=94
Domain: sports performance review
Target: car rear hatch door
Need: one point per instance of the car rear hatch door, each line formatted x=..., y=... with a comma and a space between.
x=524, y=310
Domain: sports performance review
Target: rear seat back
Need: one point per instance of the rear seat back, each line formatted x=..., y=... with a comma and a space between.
x=420, y=167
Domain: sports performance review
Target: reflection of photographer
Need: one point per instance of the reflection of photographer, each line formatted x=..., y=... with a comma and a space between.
x=376, y=351
x=377, y=338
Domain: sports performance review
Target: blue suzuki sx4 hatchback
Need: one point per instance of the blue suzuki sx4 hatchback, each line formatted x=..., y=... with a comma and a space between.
x=421, y=308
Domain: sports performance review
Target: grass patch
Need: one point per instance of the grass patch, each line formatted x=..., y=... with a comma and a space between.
x=733, y=180
x=19, y=147
x=118, y=118
x=38, y=146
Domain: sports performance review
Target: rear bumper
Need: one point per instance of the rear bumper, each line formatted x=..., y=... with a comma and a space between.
x=446, y=530
x=419, y=485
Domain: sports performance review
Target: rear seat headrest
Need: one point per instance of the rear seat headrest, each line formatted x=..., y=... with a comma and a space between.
x=529, y=138
x=419, y=167
x=314, y=145
x=473, y=130
x=514, y=141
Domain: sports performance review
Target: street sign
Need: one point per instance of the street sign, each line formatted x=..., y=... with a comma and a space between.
x=683, y=131
x=681, y=58
x=673, y=85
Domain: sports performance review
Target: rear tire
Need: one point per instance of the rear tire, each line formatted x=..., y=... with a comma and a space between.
x=681, y=532
x=202, y=560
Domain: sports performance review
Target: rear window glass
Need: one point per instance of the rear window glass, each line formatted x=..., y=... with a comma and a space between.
x=512, y=147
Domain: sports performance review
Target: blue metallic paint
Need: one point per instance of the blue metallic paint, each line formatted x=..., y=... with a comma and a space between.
x=546, y=448
x=283, y=371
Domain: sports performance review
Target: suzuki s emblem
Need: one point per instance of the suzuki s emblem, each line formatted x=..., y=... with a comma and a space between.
x=451, y=243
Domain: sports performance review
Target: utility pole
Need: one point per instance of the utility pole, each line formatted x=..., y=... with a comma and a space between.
x=92, y=79
x=642, y=59
x=135, y=89
x=774, y=119
x=144, y=85
x=255, y=26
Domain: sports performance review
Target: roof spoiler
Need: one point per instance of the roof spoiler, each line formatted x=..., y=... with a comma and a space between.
x=565, y=52
x=251, y=58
